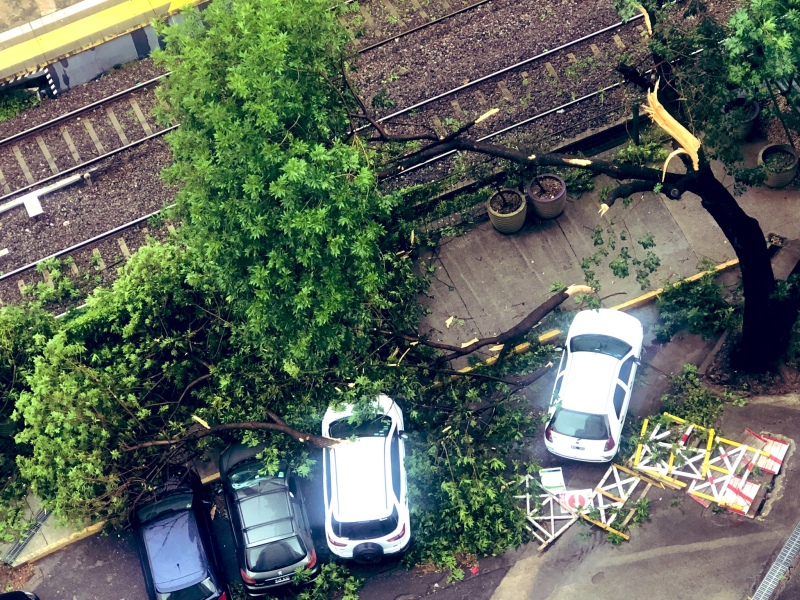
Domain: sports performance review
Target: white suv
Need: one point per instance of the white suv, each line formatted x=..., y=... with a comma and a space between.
x=593, y=385
x=366, y=502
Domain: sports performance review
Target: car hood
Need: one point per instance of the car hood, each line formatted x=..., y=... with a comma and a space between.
x=175, y=551
x=608, y=322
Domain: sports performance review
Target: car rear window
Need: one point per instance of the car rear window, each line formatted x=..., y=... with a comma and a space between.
x=377, y=427
x=198, y=591
x=580, y=425
x=175, y=503
x=601, y=344
x=275, y=555
x=366, y=530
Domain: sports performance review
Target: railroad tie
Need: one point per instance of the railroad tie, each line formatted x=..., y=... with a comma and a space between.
x=4, y=183
x=457, y=109
x=47, y=156
x=446, y=5
x=571, y=57
x=393, y=11
x=90, y=130
x=422, y=12
x=439, y=126
x=21, y=286
x=618, y=42
x=123, y=247
x=26, y=171
x=551, y=70
x=171, y=227
x=501, y=85
x=74, y=268
x=480, y=97
x=595, y=49
x=117, y=127
x=98, y=259
x=367, y=17
x=71, y=145
x=48, y=279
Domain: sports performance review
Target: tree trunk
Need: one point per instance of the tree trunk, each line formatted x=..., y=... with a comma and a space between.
x=757, y=349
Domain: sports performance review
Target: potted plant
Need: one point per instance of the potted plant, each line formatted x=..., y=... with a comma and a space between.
x=507, y=210
x=548, y=192
x=780, y=164
x=743, y=113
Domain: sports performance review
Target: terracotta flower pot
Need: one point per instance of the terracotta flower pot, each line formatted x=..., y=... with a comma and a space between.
x=782, y=176
x=544, y=206
x=508, y=222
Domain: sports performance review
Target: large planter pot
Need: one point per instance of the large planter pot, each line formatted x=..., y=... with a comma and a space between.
x=782, y=174
x=550, y=202
x=507, y=222
x=749, y=111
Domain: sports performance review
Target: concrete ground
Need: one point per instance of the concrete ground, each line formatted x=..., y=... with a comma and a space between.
x=489, y=281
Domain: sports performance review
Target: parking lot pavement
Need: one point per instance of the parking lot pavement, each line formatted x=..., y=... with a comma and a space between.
x=97, y=568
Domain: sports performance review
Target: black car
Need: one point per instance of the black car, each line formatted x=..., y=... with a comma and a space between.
x=269, y=521
x=173, y=533
x=19, y=596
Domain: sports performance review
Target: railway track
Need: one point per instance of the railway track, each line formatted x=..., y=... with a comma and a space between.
x=111, y=247
x=78, y=139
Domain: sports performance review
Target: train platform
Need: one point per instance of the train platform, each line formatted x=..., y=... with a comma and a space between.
x=37, y=33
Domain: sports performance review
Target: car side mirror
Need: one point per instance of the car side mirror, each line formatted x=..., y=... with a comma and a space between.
x=403, y=435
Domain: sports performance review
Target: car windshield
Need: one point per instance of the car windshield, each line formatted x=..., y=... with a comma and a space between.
x=250, y=475
x=580, y=425
x=377, y=427
x=275, y=555
x=198, y=591
x=174, y=503
x=366, y=530
x=601, y=344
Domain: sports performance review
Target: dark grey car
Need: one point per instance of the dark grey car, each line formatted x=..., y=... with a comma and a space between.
x=269, y=521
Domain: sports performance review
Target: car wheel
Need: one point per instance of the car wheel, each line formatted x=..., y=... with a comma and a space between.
x=368, y=553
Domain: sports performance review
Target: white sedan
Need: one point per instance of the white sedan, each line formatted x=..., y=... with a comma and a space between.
x=593, y=385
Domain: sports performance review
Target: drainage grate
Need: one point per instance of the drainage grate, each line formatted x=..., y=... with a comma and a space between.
x=16, y=549
x=779, y=567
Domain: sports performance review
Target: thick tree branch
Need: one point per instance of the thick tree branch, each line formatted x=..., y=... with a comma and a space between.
x=517, y=332
x=315, y=441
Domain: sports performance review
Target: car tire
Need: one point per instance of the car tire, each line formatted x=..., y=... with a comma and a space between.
x=367, y=553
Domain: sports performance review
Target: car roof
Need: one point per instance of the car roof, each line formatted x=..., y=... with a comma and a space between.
x=265, y=511
x=588, y=382
x=359, y=480
x=175, y=551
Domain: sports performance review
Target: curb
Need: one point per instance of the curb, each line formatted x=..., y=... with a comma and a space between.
x=63, y=543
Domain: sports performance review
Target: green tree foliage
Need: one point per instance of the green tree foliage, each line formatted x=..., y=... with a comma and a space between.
x=764, y=42
x=115, y=374
x=23, y=333
x=285, y=212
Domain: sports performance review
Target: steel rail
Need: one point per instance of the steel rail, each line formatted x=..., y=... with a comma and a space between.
x=500, y=72
x=98, y=238
x=536, y=117
x=78, y=111
x=89, y=162
x=423, y=26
